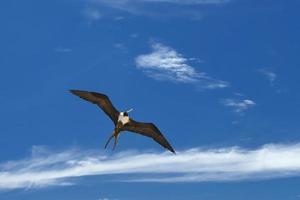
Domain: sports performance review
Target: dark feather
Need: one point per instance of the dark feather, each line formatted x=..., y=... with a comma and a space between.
x=101, y=100
x=149, y=130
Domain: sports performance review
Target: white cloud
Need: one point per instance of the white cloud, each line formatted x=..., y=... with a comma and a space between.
x=271, y=76
x=165, y=63
x=239, y=106
x=193, y=165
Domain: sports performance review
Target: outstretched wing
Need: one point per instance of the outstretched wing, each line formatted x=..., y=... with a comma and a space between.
x=101, y=100
x=149, y=130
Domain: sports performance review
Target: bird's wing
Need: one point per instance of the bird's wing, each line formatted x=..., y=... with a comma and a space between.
x=101, y=100
x=149, y=130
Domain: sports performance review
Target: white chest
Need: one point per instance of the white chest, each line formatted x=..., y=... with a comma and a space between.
x=123, y=119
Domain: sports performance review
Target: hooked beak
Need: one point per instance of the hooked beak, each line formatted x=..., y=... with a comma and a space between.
x=131, y=109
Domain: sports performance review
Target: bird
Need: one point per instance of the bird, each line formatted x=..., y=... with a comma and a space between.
x=122, y=121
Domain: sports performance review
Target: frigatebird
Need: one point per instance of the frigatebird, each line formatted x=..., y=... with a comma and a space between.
x=122, y=120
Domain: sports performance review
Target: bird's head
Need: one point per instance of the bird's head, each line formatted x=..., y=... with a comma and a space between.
x=126, y=112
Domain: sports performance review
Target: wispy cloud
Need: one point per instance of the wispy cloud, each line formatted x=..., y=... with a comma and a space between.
x=62, y=50
x=271, y=76
x=193, y=165
x=106, y=199
x=120, y=46
x=183, y=2
x=92, y=14
x=165, y=63
x=239, y=106
x=150, y=7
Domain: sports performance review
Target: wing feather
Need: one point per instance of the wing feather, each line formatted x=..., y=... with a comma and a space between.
x=101, y=100
x=149, y=130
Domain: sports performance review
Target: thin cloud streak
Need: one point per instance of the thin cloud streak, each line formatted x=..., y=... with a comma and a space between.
x=182, y=2
x=238, y=106
x=271, y=76
x=63, y=50
x=123, y=3
x=187, y=8
x=165, y=63
x=193, y=165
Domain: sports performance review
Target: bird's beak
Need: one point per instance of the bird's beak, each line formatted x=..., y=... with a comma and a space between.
x=131, y=109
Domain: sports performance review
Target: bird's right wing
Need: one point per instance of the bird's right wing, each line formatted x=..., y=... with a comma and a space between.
x=101, y=100
x=149, y=130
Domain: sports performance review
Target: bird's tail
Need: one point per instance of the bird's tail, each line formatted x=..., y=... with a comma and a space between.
x=115, y=134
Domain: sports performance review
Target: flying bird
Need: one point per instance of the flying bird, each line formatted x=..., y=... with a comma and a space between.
x=122, y=121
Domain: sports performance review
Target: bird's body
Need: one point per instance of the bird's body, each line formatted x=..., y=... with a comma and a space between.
x=122, y=121
x=123, y=118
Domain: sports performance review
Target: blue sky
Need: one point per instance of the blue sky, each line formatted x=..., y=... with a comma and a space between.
x=218, y=77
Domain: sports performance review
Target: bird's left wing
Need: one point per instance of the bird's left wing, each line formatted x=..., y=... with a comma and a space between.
x=149, y=130
x=101, y=100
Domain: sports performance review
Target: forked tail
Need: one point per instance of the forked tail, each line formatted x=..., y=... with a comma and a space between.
x=115, y=134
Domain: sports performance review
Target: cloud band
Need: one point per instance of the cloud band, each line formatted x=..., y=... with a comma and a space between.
x=193, y=165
